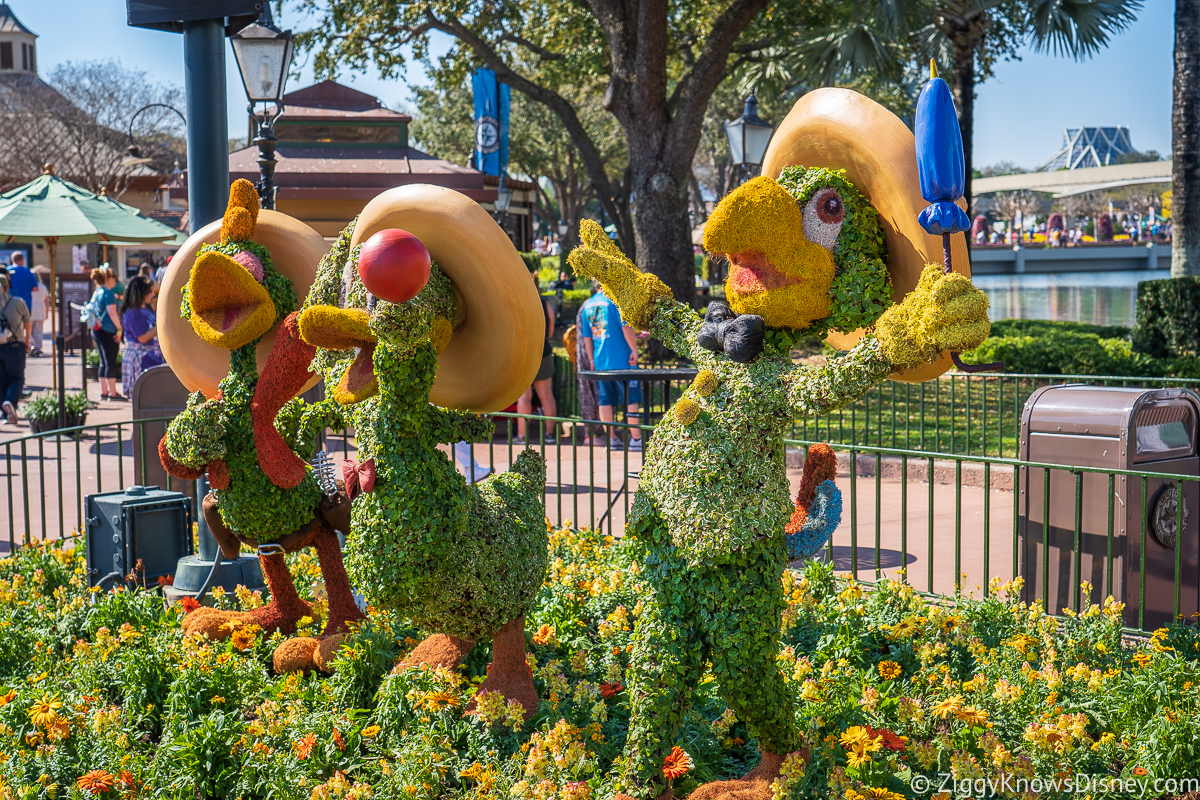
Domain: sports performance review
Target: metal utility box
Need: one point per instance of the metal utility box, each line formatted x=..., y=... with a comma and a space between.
x=141, y=523
x=1110, y=428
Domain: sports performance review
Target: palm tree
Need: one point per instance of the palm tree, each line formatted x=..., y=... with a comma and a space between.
x=1185, y=142
x=973, y=33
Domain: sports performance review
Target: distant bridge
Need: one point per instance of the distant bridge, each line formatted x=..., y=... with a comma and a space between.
x=997, y=260
x=1064, y=182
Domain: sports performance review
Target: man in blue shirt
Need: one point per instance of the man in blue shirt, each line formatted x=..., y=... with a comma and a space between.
x=21, y=279
x=612, y=345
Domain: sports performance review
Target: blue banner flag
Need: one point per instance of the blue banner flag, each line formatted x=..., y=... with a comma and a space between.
x=491, y=122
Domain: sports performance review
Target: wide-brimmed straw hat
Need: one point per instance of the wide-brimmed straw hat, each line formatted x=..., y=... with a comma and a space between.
x=842, y=129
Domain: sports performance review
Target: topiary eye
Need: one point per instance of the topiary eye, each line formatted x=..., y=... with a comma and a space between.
x=823, y=216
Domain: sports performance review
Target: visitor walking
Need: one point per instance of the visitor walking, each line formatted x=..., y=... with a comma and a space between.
x=21, y=280
x=107, y=331
x=543, y=382
x=612, y=345
x=141, y=332
x=39, y=312
x=15, y=327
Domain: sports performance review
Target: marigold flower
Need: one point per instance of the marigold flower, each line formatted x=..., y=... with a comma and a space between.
x=889, y=670
x=303, y=748
x=97, y=782
x=677, y=763
x=189, y=604
x=545, y=635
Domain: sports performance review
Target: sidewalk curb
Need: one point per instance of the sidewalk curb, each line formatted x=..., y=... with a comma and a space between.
x=890, y=468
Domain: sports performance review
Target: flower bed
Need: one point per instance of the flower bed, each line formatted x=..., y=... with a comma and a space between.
x=100, y=696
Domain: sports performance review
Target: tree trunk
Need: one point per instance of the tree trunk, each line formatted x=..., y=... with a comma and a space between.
x=660, y=225
x=964, y=95
x=1185, y=142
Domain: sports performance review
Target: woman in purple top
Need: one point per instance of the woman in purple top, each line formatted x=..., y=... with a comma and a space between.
x=141, y=331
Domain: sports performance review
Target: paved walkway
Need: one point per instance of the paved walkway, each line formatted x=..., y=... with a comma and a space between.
x=43, y=483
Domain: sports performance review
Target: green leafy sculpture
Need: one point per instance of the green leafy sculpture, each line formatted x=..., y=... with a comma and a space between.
x=254, y=437
x=806, y=256
x=464, y=561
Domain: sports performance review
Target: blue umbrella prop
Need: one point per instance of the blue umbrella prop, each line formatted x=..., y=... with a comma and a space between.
x=942, y=170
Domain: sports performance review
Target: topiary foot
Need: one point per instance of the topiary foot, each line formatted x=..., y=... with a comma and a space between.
x=214, y=623
x=754, y=785
x=295, y=655
x=327, y=651
x=439, y=650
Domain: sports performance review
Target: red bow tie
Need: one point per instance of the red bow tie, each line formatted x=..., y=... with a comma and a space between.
x=358, y=477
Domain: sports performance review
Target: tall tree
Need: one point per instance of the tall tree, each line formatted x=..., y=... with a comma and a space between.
x=1185, y=142
x=661, y=61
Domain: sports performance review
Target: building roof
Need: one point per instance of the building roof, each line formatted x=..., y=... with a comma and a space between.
x=355, y=172
x=331, y=95
x=316, y=114
x=1089, y=147
x=9, y=22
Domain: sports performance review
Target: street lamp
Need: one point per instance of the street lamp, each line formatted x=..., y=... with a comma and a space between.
x=748, y=137
x=133, y=155
x=264, y=56
x=503, y=198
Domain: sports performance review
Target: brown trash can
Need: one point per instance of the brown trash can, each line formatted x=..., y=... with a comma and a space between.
x=1115, y=428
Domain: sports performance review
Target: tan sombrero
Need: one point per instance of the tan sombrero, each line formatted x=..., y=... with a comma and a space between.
x=296, y=250
x=496, y=348
x=841, y=129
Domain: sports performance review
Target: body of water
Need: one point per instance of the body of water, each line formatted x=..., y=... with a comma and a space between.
x=1098, y=298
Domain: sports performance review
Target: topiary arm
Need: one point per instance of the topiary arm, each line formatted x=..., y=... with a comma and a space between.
x=814, y=390
x=945, y=312
x=313, y=421
x=645, y=302
x=460, y=426
x=196, y=436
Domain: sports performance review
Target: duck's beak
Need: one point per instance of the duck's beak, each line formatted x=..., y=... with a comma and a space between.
x=333, y=328
x=229, y=307
x=774, y=269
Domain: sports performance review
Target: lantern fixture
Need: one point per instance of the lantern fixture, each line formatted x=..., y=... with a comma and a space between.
x=748, y=137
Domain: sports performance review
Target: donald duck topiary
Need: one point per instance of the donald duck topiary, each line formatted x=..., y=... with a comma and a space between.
x=826, y=242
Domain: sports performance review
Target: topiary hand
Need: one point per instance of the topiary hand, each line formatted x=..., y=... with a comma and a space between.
x=635, y=292
x=944, y=312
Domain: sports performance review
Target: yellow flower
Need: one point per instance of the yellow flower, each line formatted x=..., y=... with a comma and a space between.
x=972, y=716
x=872, y=793
x=45, y=711
x=370, y=732
x=950, y=705
x=903, y=629
x=889, y=670
x=1142, y=658
x=436, y=701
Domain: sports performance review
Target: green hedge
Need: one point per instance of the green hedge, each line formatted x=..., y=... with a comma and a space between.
x=1064, y=348
x=1167, y=322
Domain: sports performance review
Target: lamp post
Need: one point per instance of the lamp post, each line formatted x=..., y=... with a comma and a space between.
x=503, y=199
x=264, y=56
x=748, y=137
x=133, y=155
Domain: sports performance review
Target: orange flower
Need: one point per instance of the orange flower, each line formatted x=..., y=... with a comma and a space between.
x=303, y=748
x=545, y=635
x=8, y=697
x=1140, y=772
x=611, y=690
x=888, y=739
x=97, y=782
x=189, y=604
x=676, y=764
x=338, y=740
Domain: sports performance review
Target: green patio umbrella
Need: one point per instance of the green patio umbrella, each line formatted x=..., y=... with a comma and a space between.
x=52, y=210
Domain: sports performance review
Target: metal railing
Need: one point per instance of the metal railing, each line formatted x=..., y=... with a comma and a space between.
x=921, y=511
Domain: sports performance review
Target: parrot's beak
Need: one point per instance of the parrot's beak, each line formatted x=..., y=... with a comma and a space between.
x=333, y=328
x=230, y=308
x=775, y=271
